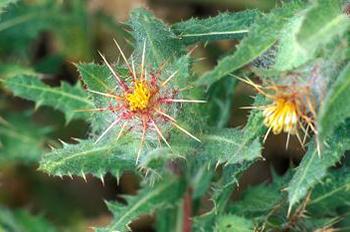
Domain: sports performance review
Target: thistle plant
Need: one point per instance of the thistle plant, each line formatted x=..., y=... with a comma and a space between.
x=145, y=104
x=152, y=114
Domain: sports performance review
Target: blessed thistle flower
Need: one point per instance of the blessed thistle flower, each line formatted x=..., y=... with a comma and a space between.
x=144, y=103
x=292, y=109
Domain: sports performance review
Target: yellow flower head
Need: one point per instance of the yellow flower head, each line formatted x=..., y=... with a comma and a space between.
x=291, y=109
x=282, y=115
x=139, y=99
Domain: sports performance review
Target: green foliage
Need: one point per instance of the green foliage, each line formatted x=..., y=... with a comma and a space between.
x=220, y=102
x=67, y=98
x=313, y=168
x=78, y=159
x=21, y=139
x=298, y=42
x=321, y=23
x=226, y=223
x=334, y=110
x=162, y=44
x=20, y=220
x=262, y=35
x=223, y=26
x=21, y=24
x=230, y=146
x=164, y=194
x=6, y=3
x=332, y=194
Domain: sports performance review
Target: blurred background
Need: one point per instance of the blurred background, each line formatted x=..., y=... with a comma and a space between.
x=48, y=37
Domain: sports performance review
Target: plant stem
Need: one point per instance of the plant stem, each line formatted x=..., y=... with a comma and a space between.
x=187, y=211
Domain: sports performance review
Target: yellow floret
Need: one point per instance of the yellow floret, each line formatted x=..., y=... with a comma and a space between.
x=282, y=115
x=140, y=97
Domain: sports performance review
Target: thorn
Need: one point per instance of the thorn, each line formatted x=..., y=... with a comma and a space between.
x=160, y=134
x=75, y=139
x=217, y=164
x=185, y=100
x=102, y=180
x=192, y=50
x=84, y=176
x=37, y=105
x=118, y=178
x=70, y=175
x=173, y=121
x=288, y=138
x=289, y=210
x=168, y=79
x=108, y=129
x=103, y=94
x=122, y=84
x=63, y=142
x=143, y=58
x=51, y=147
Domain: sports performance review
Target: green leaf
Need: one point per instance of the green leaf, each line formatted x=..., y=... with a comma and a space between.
x=221, y=194
x=20, y=220
x=262, y=36
x=335, y=108
x=290, y=53
x=257, y=200
x=21, y=139
x=22, y=23
x=97, y=77
x=223, y=26
x=332, y=193
x=162, y=45
x=6, y=3
x=10, y=70
x=227, y=223
x=220, y=102
x=150, y=198
x=230, y=146
x=88, y=157
x=66, y=98
x=313, y=167
x=322, y=22
x=234, y=146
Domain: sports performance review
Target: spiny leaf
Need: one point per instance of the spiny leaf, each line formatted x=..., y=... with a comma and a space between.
x=227, y=223
x=230, y=146
x=87, y=157
x=234, y=146
x=262, y=35
x=223, y=26
x=332, y=193
x=162, y=45
x=335, y=109
x=314, y=166
x=259, y=200
x=68, y=99
x=322, y=22
x=150, y=198
x=20, y=220
x=97, y=77
x=21, y=140
x=290, y=53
